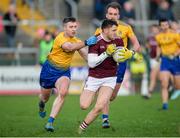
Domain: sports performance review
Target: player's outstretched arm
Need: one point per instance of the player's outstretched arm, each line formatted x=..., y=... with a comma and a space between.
x=83, y=52
x=68, y=46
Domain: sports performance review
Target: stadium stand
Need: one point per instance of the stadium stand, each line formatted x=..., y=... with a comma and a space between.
x=45, y=11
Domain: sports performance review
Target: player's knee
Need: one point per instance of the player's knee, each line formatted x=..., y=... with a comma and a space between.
x=44, y=98
x=84, y=106
x=164, y=85
x=63, y=93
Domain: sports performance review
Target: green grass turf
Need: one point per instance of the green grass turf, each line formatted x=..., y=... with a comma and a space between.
x=129, y=116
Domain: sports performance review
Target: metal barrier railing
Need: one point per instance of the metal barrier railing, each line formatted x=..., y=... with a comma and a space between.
x=20, y=50
x=32, y=22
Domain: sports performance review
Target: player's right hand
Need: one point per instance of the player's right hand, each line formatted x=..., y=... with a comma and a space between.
x=111, y=48
x=91, y=41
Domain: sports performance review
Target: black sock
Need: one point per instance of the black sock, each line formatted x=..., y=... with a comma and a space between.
x=41, y=105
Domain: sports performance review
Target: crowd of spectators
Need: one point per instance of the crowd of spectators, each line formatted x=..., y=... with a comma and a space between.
x=158, y=9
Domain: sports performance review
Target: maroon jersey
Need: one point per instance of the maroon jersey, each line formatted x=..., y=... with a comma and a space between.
x=108, y=67
x=153, y=46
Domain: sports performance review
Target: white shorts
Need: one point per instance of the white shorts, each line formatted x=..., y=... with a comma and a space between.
x=93, y=84
x=154, y=63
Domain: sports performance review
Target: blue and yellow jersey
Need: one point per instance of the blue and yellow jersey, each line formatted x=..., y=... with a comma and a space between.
x=168, y=42
x=58, y=56
x=123, y=30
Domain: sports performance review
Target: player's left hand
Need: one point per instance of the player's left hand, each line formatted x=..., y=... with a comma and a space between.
x=91, y=41
x=138, y=57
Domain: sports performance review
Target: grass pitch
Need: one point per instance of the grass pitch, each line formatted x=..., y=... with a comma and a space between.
x=129, y=116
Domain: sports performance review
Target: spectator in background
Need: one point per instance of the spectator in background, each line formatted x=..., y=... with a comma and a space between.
x=55, y=33
x=121, y=2
x=39, y=36
x=10, y=28
x=153, y=7
x=152, y=50
x=164, y=11
x=45, y=47
x=1, y=23
x=68, y=6
x=128, y=13
x=99, y=8
x=154, y=4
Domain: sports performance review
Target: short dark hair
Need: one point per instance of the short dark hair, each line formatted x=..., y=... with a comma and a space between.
x=114, y=5
x=69, y=19
x=163, y=20
x=108, y=23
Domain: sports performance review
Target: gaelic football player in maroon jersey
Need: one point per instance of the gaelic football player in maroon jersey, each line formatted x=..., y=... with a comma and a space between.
x=154, y=64
x=102, y=72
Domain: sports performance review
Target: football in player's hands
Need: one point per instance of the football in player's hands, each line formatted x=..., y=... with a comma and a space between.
x=118, y=55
